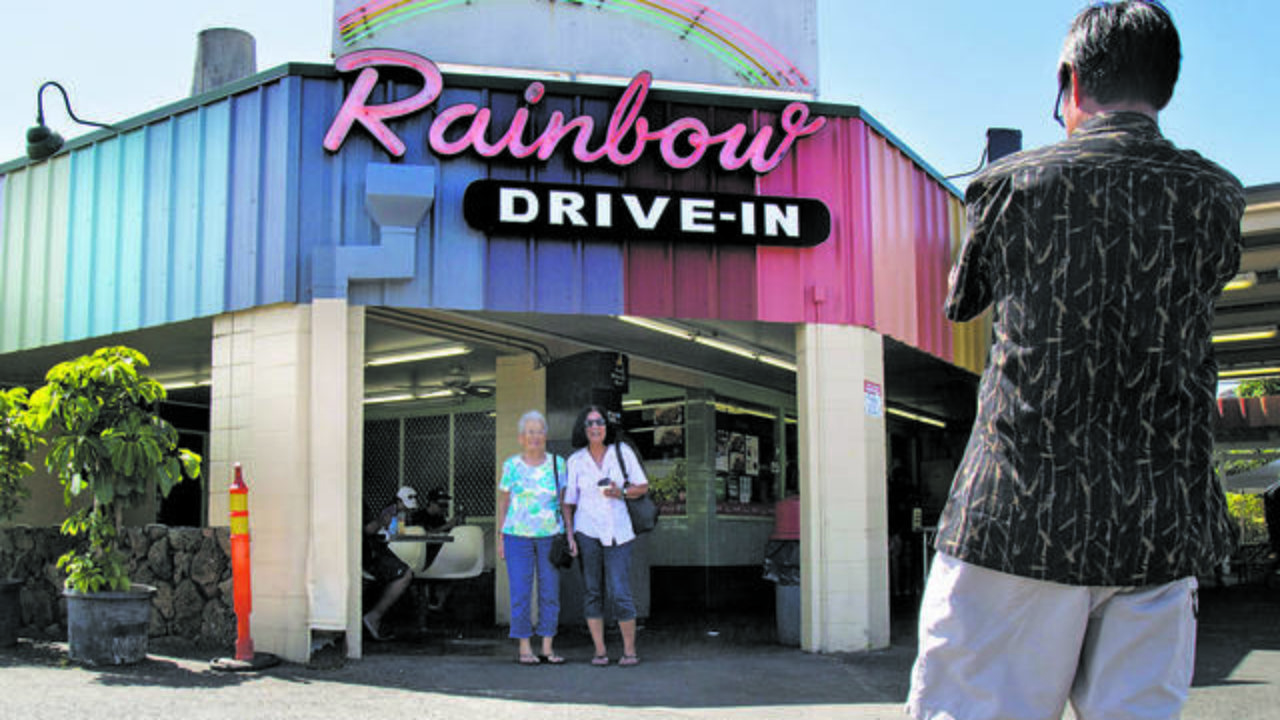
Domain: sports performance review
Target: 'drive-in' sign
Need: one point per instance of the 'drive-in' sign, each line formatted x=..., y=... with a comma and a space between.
x=541, y=209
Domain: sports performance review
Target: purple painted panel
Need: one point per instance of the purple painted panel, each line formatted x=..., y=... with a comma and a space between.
x=692, y=280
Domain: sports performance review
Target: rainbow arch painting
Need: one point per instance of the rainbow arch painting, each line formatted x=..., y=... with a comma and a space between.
x=731, y=43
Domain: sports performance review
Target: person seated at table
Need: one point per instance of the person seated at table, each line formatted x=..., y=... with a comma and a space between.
x=381, y=563
x=434, y=519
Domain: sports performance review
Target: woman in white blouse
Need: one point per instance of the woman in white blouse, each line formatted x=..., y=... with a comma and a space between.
x=595, y=513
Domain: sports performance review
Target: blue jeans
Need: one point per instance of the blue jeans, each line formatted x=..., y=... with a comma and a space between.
x=527, y=557
x=606, y=567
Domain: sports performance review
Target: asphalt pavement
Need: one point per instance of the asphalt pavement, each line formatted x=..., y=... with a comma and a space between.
x=709, y=668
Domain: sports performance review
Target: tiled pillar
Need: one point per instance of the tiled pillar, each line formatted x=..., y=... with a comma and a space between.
x=843, y=547
x=287, y=383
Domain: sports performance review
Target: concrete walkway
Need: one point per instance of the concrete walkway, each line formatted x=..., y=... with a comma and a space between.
x=687, y=672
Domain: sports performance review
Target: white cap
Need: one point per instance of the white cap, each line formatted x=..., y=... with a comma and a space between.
x=408, y=496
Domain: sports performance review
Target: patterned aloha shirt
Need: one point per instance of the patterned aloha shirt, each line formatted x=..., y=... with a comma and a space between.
x=534, y=510
x=1101, y=257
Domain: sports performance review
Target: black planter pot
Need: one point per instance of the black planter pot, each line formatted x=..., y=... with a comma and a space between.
x=109, y=628
x=10, y=611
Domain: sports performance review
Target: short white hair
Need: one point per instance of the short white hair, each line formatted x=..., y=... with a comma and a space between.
x=531, y=416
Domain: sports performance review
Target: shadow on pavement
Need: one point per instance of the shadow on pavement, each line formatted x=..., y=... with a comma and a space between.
x=713, y=662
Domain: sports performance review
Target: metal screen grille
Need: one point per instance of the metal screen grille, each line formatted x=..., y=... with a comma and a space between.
x=381, y=464
x=453, y=452
x=474, y=473
x=427, y=452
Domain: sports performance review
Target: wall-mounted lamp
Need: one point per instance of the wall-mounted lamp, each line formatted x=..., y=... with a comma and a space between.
x=43, y=142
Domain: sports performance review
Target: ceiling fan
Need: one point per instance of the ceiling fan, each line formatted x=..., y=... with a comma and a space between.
x=458, y=383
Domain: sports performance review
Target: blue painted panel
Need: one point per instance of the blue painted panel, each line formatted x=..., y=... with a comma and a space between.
x=158, y=225
x=214, y=211
x=137, y=230
x=131, y=289
x=184, y=232
x=80, y=260
x=104, y=169
x=242, y=237
x=278, y=210
x=317, y=178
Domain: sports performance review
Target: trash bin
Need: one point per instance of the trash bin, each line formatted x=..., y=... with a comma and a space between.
x=782, y=567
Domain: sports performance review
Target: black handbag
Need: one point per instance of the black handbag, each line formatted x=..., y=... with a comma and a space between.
x=560, y=555
x=643, y=510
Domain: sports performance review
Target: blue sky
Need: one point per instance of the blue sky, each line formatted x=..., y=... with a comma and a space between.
x=937, y=73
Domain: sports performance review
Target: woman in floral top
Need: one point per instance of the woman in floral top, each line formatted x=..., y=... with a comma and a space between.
x=529, y=496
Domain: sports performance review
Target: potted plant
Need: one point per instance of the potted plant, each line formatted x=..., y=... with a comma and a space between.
x=16, y=443
x=107, y=443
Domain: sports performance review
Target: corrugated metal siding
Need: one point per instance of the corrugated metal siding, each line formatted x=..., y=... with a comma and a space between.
x=33, y=255
x=895, y=221
x=969, y=341
x=459, y=267
x=684, y=280
x=893, y=230
x=223, y=206
x=833, y=282
x=139, y=229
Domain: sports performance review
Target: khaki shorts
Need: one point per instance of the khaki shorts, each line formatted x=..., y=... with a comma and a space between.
x=994, y=645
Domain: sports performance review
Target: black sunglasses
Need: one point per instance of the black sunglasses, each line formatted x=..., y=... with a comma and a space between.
x=595, y=422
x=1064, y=79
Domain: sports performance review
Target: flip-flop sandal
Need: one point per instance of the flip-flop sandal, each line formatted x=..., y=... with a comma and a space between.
x=552, y=659
x=629, y=660
x=528, y=660
x=600, y=660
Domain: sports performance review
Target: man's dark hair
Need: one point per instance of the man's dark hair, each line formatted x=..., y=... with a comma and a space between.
x=1123, y=51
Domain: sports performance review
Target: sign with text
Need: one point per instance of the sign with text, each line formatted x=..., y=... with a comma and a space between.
x=873, y=397
x=510, y=207
x=622, y=139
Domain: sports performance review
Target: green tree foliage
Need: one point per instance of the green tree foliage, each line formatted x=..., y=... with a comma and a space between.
x=1258, y=388
x=1247, y=510
x=106, y=441
x=16, y=442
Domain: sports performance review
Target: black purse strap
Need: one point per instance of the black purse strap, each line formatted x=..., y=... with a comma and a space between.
x=617, y=452
x=555, y=472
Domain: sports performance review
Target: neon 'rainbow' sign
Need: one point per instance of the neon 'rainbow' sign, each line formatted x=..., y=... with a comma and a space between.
x=731, y=43
x=682, y=143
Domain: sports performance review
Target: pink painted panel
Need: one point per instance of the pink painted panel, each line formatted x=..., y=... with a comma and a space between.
x=833, y=282
x=694, y=281
x=893, y=238
x=913, y=231
x=933, y=241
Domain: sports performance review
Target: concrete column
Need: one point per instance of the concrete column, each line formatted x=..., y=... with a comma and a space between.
x=521, y=387
x=844, y=535
x=336, y=431
x=286, y=405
